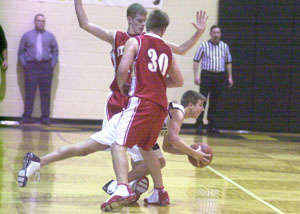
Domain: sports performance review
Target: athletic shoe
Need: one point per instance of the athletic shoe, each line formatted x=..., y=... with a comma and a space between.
x=122, y=195
x=31, y=165
x=159, y=196
x=110, y=187
x=140, y=186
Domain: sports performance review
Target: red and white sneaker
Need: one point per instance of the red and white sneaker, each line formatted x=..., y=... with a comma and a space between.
x=122, y=195
x=159, y=196
x=140, y=186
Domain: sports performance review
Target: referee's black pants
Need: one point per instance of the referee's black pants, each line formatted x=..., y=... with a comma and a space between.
x=211, y=83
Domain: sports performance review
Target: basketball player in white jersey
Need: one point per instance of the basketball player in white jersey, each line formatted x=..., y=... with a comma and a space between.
x=191, y=107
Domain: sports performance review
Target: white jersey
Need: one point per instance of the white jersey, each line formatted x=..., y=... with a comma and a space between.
x=164, y=129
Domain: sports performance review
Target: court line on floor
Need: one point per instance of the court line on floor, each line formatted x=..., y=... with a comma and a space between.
x=245, y=190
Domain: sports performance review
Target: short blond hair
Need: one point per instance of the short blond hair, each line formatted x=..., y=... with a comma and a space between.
x=157, y=20
x=191, y=97
x=135, y=8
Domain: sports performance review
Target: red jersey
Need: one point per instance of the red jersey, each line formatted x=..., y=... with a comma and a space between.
x=117, y=53
x=151, y=67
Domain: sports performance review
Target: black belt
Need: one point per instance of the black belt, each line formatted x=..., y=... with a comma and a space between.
x=213, y=72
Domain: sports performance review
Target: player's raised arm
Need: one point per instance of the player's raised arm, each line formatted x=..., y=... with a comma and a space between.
x=105, y=35
x=200, y=26
x=175, y=78
x=130, y=51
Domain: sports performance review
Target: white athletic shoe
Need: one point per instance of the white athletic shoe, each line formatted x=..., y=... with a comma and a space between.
x=31, y=165
x=159, y=196
x=139, y=186
x=110, y=187
x=122, y=195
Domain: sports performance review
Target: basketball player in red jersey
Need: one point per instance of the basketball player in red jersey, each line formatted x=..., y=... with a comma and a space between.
x=155, y=69
x=136, y=17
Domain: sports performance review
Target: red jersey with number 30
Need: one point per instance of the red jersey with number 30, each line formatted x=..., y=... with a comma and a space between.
x=151, y=67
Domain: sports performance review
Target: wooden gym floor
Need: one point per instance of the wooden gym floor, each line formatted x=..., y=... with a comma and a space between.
x=251, y=173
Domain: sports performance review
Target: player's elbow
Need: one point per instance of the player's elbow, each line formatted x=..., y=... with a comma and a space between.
x=172, y=139
x=84, y=25
x=165, y=147
x=162, y=162
x=175, y=82
x=168, y=146
x=180, y=80
x=180, y=83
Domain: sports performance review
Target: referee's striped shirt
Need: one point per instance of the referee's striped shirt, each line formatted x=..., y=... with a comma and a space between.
x=213, y=57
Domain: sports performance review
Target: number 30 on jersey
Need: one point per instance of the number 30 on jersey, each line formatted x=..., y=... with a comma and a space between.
x=158, y=63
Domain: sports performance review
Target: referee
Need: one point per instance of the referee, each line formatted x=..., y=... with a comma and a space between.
x=215, y=59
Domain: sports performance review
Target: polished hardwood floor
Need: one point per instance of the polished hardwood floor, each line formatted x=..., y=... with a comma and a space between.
x=251, y=173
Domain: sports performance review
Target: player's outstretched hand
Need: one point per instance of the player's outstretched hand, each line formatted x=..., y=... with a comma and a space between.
x=201, y=19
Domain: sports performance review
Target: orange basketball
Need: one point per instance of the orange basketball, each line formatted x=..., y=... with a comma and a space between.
x=205, y=148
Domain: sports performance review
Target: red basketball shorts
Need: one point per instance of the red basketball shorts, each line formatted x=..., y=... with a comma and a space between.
x=140, y=123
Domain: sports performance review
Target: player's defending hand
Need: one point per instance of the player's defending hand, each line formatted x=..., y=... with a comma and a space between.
x=201, y=19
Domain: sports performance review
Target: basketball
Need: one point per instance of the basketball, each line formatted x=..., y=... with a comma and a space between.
x=205, y=148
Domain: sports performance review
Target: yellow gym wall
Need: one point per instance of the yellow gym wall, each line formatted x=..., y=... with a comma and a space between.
x=84, y=72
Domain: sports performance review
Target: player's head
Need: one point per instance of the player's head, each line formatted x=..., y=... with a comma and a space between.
x=193, y=102
x=157, y=22
x=39, y=22
x=215, y=33
x=136, y=17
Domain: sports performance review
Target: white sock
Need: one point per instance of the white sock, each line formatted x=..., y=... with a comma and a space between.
x=33, y=168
